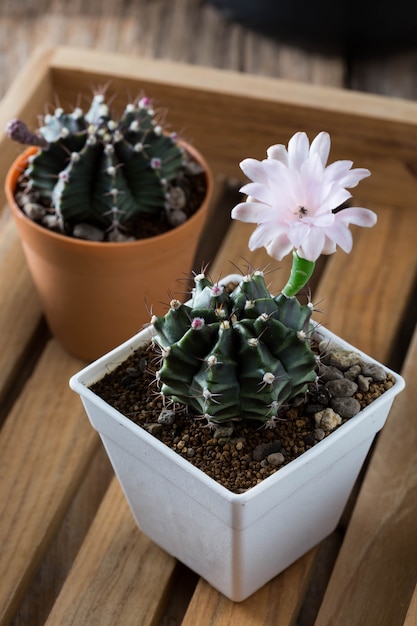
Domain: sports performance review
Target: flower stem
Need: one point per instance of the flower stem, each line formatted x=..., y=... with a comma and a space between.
x=301, y=272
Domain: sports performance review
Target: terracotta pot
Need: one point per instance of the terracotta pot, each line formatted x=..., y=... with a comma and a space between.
x=97, y=295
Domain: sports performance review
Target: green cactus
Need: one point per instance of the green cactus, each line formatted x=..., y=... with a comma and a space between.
x=95, y=170
x=237, y=355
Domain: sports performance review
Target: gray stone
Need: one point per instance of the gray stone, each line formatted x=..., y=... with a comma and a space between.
x=276, y=459
x=342, y=359
x=89, y=232
x=265, y=449
x=153, y=429
x=375, y=371
x=117, y=237
x=319, y=434
x=166, y=417
x=223, y=432
x=176, y=217
x=343, y=388
x=346, y=407
x=353, y=372
x=328, y=372
x=364, y=382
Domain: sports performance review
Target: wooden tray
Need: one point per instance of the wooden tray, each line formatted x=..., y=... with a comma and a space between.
x=52, y=471
x=229, y=115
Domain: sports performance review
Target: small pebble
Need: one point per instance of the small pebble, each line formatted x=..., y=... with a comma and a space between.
x=342, y=388
x=116, y=236
x=276, y=459
x=89, y=232
x=375, y=371
x=346, y=407
x=327, y=420
x=166, y=417
x=364, y=382
x=34, y=211
x=328, y=372
x=177, y=198
x=153, y=429
x=353, y=372
x=223, y=432
x=51, y=221
x=176, y=217
x=264, y=449
x=342, y=359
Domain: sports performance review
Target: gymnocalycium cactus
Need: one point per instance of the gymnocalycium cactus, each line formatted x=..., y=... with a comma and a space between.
x=95, y=170
x=243, y=354
x=237, y=355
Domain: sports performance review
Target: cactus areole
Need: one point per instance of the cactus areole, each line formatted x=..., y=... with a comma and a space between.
x=232, y=355
x=110, y=176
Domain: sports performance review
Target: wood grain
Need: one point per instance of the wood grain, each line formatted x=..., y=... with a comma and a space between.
x=119, y=577
x=375, y=574
x=279, y=600
x=45, y=446
x=17, y=297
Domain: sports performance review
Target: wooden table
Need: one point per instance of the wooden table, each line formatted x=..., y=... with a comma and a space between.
x=69, y=550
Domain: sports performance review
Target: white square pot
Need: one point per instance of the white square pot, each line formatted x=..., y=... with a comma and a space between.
x=237, y=542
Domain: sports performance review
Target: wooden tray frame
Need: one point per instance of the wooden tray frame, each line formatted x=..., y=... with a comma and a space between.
x=229, y=115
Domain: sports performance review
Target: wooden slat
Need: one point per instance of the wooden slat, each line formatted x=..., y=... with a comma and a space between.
x=63, y=548
x=411, y=617
x=277, y=602
x=25, y=96
x=119, y=576
x=363, y=124
x=363, y=295
x=45, y=446
x=19, y=302
x=376, y=572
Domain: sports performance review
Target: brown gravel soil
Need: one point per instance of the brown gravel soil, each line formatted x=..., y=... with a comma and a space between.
x=238, y=460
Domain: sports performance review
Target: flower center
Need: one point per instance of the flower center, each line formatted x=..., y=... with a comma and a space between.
x=301, y=211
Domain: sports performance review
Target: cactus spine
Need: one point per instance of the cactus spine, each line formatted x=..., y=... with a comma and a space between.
x=238, y=355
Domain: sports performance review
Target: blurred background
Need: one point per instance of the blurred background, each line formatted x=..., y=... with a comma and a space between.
x=367, y=46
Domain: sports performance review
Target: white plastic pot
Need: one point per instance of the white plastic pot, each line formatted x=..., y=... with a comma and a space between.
x=237, y=542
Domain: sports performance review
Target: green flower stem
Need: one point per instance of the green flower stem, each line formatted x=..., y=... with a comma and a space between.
x=301, y=272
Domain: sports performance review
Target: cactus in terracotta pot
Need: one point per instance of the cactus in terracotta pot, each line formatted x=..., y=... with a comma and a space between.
x=103, y=173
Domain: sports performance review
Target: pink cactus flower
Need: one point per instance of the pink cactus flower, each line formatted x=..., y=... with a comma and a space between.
x=293, y=198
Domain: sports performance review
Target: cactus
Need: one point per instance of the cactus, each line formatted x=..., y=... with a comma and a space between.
x=237, y=355
x=94, y=170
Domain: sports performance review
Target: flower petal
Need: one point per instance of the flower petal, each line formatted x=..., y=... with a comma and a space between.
x=321, y=146
x=279, y=153
x=279, y=247
x=358, y=216
x=298, y=148
x=312, y=245
x=247, y=212
x=254, y=170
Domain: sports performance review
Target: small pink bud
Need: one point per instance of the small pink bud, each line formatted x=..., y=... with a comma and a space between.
x=197, y=323
x=156, y=163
